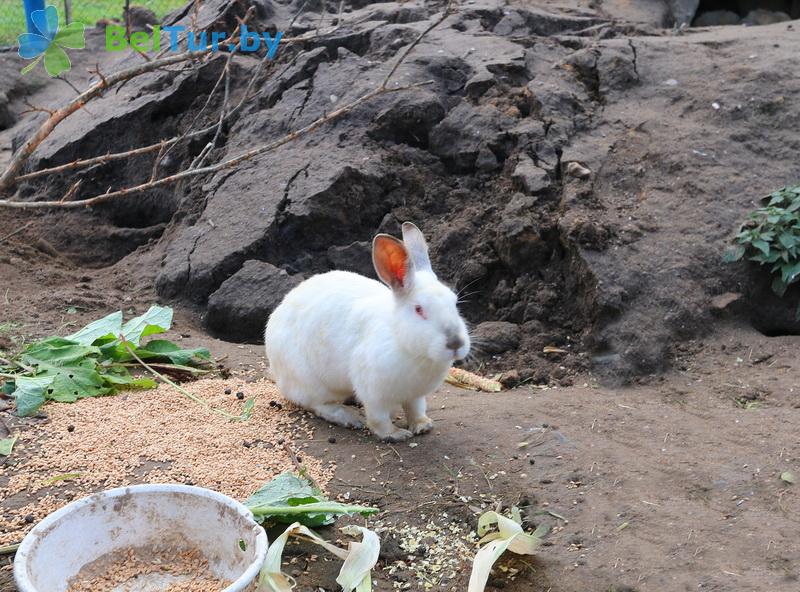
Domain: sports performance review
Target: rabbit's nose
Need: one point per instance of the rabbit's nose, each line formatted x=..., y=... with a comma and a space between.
x=454, y=342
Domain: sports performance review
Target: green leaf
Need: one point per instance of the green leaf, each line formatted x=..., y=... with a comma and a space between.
x=289, y=498
x=57, y=351
x=7, y=445
x=71, y=36
x=166, y=349
x=125, y=379
x=761, y=245
x=779, y=286
x=71, y=383
x=109, y=327
x=790, y=272
x=247, y=410
x=29, y=393
x=733, y=254
x=157, y=319
x=56, y=61
x=787, y=239
x=788, y=477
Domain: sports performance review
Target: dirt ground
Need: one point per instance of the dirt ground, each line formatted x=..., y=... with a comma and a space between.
x=669, y=485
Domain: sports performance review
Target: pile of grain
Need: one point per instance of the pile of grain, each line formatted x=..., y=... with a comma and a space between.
x=151, y=436
x=120, y=571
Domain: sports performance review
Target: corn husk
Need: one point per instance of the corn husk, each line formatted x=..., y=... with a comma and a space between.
x=468, y=380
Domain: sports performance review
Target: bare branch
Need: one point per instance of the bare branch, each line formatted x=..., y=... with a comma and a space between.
x=197, y=169
x=250, y=154
x=110, y=157
x=24, y=153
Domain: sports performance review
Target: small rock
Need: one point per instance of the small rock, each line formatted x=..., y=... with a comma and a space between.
x=332, y=440
x=530, y=178
x=240, y=395
x=70, y=428
x=486, y=160
x=479, y=84
x=29, y=518
x=577, y=170
x=227, y=391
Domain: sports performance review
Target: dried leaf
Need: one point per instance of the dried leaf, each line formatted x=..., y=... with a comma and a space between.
x=508, y=537
x=355, y=574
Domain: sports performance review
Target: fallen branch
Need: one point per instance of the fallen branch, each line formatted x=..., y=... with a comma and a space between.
x=250, y=154
x=111, y=157
x=24, y=153
x=9, y=176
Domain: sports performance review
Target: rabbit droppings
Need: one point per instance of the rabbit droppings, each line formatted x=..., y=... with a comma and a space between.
x=339, y=333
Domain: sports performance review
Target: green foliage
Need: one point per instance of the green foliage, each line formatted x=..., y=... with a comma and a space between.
x=7, y=445
x=95, y=361
x=289, y=498
x=771, y=237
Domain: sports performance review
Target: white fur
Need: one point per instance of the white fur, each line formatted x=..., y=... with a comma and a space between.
x=340, y=334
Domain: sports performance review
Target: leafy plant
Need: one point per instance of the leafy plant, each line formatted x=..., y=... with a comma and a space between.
x=289, y=498
x=297, y=501
x=96, y=361
x=771, y=237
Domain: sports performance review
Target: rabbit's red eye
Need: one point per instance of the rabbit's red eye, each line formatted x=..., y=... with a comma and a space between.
x=419, y=311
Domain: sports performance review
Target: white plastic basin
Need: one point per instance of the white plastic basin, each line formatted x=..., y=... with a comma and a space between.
x=87, y=529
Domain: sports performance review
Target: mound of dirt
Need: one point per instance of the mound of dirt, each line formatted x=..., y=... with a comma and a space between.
x=577, y=171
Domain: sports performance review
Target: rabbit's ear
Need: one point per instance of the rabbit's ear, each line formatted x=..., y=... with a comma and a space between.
x=392, y=262
x=416, y=245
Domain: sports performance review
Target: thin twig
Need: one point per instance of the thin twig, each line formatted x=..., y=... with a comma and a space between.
x=8, y=549
x=72, y=191
x=15, y=232
x=301, y=468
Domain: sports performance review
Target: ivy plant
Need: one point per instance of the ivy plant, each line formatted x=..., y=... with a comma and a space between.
x=771, y=237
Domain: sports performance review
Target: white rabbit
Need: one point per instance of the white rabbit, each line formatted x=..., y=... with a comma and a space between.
x=339, y=333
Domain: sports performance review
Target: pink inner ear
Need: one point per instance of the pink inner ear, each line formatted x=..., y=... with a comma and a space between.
x=393, y=259
x=397, y=266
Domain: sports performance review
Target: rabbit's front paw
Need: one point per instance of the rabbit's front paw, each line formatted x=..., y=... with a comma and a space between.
x=421, y=425
x=399, y=435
